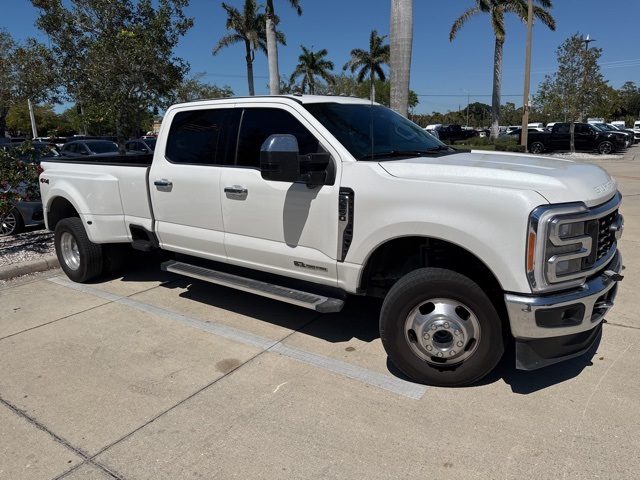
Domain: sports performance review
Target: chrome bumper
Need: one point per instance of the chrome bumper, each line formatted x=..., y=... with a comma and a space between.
x=557, y=327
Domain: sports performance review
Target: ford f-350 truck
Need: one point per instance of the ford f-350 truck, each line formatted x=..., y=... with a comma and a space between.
x=311, y=199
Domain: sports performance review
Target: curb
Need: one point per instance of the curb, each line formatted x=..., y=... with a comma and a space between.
x=24, y=268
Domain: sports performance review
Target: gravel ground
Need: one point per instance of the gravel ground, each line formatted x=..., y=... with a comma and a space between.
x=33, y=245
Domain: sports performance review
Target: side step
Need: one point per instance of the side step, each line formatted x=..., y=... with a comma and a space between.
x=312, y=301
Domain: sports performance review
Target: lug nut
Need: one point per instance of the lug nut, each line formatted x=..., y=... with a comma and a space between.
x=459, y=344
x=439, y=354
x=426, y=336
x=429, y=347
x=456, y=332
x=446, y=325
x=452, y=353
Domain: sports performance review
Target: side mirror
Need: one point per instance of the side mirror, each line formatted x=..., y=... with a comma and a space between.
x=279, y=159
x=313, y=168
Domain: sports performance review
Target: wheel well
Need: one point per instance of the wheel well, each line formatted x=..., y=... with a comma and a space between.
x=394, y=259
x=60, y=208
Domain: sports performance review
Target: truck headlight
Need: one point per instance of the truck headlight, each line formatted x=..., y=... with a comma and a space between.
x=568, y=243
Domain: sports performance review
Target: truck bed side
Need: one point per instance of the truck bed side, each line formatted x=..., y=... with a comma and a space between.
x=107, y=193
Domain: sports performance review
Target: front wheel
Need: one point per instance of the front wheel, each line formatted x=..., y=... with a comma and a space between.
x=79, y=257
x=440, y=328
x=605, y=148
x=536, y=147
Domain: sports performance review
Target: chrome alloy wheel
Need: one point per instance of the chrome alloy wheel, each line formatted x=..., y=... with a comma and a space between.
x=69, y=251
x=8, y=223
x=442, y=331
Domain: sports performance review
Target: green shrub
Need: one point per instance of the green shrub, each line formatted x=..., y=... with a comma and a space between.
x=509, y=145
x=18, y=177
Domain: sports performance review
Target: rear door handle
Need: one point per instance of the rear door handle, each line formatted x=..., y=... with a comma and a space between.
x=163, y=183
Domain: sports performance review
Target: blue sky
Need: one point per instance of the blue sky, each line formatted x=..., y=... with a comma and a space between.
x=442, y=71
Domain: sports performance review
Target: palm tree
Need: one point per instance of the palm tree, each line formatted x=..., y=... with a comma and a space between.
x=496, y=10
x=272, y=45
x=249, y=28
x=311, y=64
x=370, y=62
x=401, y=42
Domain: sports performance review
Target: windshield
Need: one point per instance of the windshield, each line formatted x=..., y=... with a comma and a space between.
x=374, y=132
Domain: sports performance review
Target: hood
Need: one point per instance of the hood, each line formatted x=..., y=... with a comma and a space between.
x=557, y=180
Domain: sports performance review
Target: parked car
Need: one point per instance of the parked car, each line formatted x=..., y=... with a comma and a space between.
x=33, y=151
x=516, y=133
x=79, y=148
x=605, y=127
x=636, y=130
x=27, y=213
x=23, y=214
x=141, y=145
x=451, y=133
x=587, y=137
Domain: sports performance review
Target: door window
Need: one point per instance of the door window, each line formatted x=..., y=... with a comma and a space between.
x=198, y=136
x=259, y=123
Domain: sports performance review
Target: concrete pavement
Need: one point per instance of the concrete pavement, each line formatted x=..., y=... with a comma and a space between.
x=153, y=376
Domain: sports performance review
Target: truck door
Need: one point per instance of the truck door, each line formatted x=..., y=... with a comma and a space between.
x=185, y=182
x=283, y=228
x=561, y=137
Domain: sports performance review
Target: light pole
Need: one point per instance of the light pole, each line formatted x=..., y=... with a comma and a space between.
x=586, y=42
x=467, y=105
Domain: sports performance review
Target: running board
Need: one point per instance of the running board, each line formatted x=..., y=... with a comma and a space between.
x=312, y=301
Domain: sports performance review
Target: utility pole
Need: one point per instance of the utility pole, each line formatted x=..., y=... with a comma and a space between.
x=527, y=74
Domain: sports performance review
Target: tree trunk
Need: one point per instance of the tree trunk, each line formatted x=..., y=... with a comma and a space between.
x=272, y=51
x=401, y=41
x=3, y=121
x=249, y=59
x=497, y=85
x=572, y=137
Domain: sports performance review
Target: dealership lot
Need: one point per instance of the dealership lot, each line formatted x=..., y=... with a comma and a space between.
x=152, y=376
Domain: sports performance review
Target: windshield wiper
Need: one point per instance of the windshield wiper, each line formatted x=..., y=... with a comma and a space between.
x=397, y=153
x=439, y=148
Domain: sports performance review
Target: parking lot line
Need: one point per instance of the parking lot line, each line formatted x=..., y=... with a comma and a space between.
x=370, y=377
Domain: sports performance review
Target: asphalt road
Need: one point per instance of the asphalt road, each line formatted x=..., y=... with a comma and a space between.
x=153, y=376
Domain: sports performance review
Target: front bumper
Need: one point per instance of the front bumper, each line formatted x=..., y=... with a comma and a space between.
x=553, y=328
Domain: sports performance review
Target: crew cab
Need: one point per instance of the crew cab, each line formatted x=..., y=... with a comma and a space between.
x=587, y=137
x=312, y=199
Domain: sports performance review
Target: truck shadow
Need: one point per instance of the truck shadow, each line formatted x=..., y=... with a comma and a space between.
x=358, y=320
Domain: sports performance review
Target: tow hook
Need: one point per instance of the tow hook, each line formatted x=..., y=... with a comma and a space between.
x=611, y=275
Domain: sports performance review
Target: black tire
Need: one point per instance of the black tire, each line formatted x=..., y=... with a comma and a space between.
x=464, y=331
x=11, y=223
x=79, y=257
x=606, y=148
x=536, y=147
x=114, y=256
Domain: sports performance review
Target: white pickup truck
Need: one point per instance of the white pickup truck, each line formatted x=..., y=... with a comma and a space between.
x=310, y=199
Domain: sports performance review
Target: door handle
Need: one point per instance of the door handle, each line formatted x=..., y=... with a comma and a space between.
x=236, y=191
x=163, y=183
